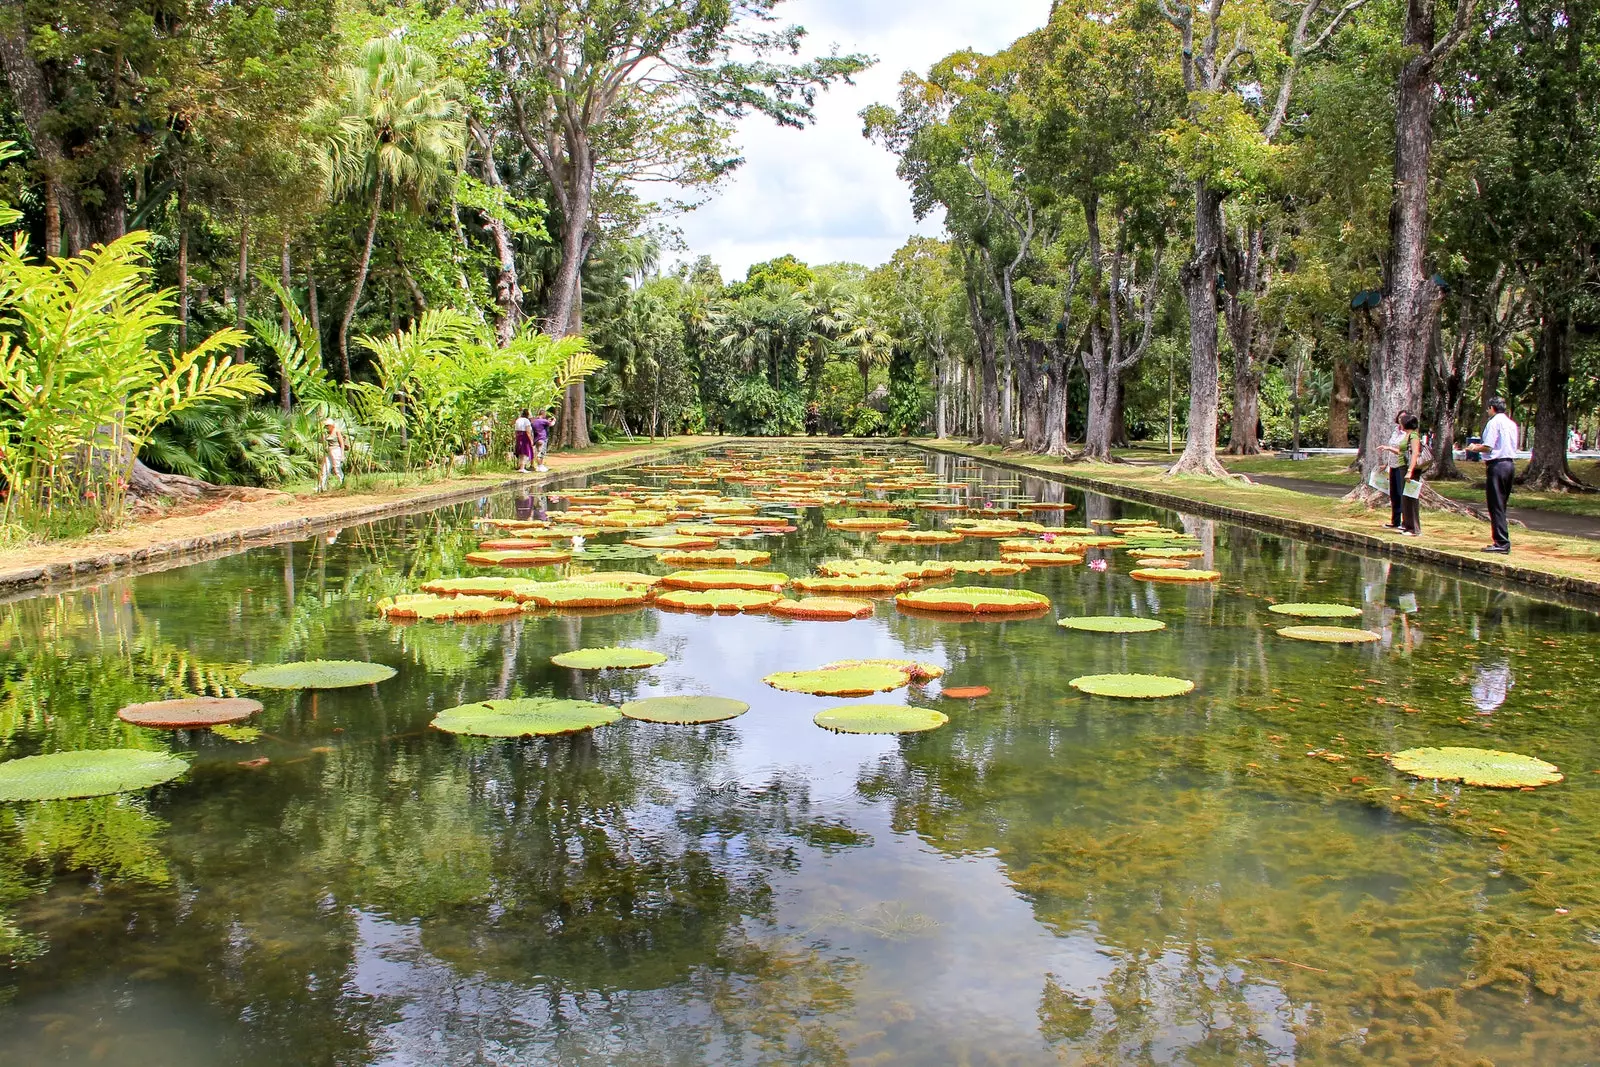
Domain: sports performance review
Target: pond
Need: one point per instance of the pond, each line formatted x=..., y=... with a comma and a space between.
x=1231, y=876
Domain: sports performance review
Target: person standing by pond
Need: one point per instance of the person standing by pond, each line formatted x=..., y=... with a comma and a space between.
x=1397, y=469
x=1411, y=485
x=335, y=445
x=522, y=434
x=541, y=438
x=1499, y=450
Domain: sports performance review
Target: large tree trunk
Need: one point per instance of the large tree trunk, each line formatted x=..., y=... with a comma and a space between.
x=1452, y=367
x=508, y=289
x=1035, y=381
x=575, y=401
x=1547, y=471
x=1200, y=293
x=1339, y=401
x=362, y=267
x=1102, y=394
x=986, y=382
x=1055, y=443
x=1248, y=272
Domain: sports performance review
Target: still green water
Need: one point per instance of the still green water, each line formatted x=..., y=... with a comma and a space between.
x=1227, y=877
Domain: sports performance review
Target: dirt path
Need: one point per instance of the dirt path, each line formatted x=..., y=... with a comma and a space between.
x=1534, y=519
x=173, y=540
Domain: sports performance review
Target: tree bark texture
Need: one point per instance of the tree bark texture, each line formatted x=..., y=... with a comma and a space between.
x=1200, y=293
x=364, y=264
x=1547, y=471
x=286, y=279
x=1252, y=334
x=1339, y=400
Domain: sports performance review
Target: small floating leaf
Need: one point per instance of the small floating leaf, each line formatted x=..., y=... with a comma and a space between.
x=239, y=734
x=1333, y=635
x=1112, y=624
x=605, y=659
x=1477, y=766
x=1132, y=686
x=685, y=710
x=880, y=719
x=1316, y=611
x=534, y=717
x=94, y=772
x=189, y=714
x=965, y=692
x=317, y=674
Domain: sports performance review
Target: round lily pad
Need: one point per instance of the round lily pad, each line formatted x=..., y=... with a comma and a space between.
x=726, y=580
x=684, y=710
x=676, y=541
x=823, y=607
x=1477, y=766
x=586, y=595
x=530, y=717
x=880, y=719
x=717, y=557
x=1316, y=611
x=535, y=557
x=625, y=578
x=974, y=600
x=859, y=583
x=507, y=587
x=869, y=525
x=610, y=552
x=1041, y=559
x=1174, y=574
x=720, y=600
x=1333, y=635
x=192, y=713
x=1156, y=564
x=917, y=670
x=1112, y=624
x=840, y=681
x=439, y=608
x=1156, y=552
x=317, y=674
x=606, y=659
x=997, y=568
x=1132, y=686
x=94, y=772
x=920, y=537
x=965, y=692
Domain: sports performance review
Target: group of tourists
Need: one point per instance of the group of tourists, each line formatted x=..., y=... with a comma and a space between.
x=1409, y=454
x=530, y=443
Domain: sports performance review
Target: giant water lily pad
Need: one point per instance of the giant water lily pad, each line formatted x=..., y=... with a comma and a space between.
x=587, y=594
x=1332, y=635
x=917, y=670
x=1112, y=624
x=824, y=608
x=715, y=579
x=614, y=552
x=1041, y=559
x=880, y=719
x=94, y=772
x=317, y=674
x=1477, y=766
x=1174, y=574
x=860, y=583
x=1155, y=551
x=190, y=713
x=672, y=541
x=920, y=537
x=717, y=557
x=994, y=568
x=856, y=681
x=623, y=578
x=974, y=600
x=1316, y=611
x=685, y=710
x=868, y=525
x=718, y=600
x=1132, y=686
x=531, y=717
x=438, y=608
x=533, y=557
x=606, y=659
x=506, y=587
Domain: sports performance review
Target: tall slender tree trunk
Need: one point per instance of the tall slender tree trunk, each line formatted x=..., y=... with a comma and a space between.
x=183, y=260
x=941, y=397
x=362, y=266
x=1200, y=292
x=286, y=278
x=508, y=293
x=52, y=218
x=1339, y=404
x=313, y=312
x=242, y=290
x=1547, y=471
x=1056, y=368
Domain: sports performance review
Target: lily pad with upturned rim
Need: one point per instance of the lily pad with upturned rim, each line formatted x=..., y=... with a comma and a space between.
x=1112, y=624
x=609, y=659
x=1316, y=611
x=586, y=594
x=917, y=670
x=684, y=710
x=1330, y=635
x=530, y=717
x=840, y=681
x=974, y=600
x=189, y=713
x=317, y=674
x=434, y=607
x=823, y=608
x=1477, y=766
x=1174, y=574
x=718, y=600
x=537, y=557
x=93, y=772
x=717, y=557
x=880, y=719
x=717, y=579
x=1132, y=686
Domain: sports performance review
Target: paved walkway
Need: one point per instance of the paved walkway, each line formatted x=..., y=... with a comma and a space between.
x=1534, y=519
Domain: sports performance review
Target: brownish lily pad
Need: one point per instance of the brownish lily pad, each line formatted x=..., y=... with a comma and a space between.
x=190, y=713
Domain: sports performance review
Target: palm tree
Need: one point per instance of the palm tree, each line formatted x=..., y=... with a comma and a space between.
x=394, y=127
x=865, y=337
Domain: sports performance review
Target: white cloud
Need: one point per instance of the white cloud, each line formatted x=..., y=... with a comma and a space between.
x=826, y=193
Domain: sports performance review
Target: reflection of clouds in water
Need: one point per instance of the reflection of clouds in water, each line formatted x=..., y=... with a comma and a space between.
x=1489, y=685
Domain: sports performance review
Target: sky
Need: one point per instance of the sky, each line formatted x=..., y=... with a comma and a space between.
x=826, y=193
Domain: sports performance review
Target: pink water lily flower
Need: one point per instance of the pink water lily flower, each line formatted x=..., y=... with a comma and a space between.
x=1097, y=564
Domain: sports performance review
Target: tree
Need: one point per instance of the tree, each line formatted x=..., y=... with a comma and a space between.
x=395, y=127
x=610, y=93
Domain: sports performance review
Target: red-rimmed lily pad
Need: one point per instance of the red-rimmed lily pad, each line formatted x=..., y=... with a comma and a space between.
x=717, y=557
x=823, y=608
x=587, y=595
x=438, y=608
x=718, y=600
x=866, y=584
x=916, y=670
x=974, y=600
x=1173, y=574
x=920, y=537
x=993, y=568
x=733, y=579
x=672, y=541
x=533, y=557
x=190, y=713
x=869, y=525
x=504, y=587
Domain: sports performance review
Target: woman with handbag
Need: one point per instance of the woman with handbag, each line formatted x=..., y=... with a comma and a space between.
x=1397, y=467
x=1411, y=487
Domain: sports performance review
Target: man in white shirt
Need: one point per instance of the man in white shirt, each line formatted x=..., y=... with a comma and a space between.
x=1499, y=450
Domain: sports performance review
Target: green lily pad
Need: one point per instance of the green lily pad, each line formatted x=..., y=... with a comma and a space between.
x=434, y=607
x=732, y=600
x=974, y=600
x=317, y=674
x=684, y=710
x=606, y=659
x=720, y=579
x=532, y=717
x=1113, y=624
x=94, y=772
x=841, y=681
x=880, y=719
x=1477, y=766
x=1332, y=635
x=1316, y=611
x=505, y=587
x=1132, y=686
